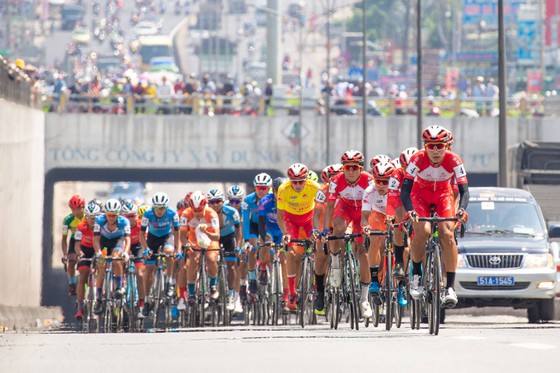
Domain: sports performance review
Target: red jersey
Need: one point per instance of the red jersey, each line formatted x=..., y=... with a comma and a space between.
x=135, y=233
x=429, y=177
x=394, y=194
x=84, y=234
x=349, y=195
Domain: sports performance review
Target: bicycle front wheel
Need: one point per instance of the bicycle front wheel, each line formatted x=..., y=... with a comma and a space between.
x=389, y=288
x=352, y=289
x=434, y=290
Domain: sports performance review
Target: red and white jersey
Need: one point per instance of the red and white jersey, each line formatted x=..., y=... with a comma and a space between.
x=373, y=201
x=350, y=195
x=437, y=177
x=394, y=194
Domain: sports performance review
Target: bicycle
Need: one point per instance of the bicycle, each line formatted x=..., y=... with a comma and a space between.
x=158, y=298
x=276, y=307
x=347, y=294
x=131, y=297
x=432, y=281
x=111, y=306
x=306, y=314
x=224, y=315
x=197, y=311
x=89, y=318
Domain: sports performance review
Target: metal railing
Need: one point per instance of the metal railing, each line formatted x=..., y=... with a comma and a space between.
x=15, y=84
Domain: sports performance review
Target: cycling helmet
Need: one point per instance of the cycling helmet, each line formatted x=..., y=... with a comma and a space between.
x=312, y=175
x=96, y=201
x=352, y=156
x=396, y=162
x=76, y=202
x=141, y=210
x=197, y=200
x=112, y=206
x=383, y=170
x=235, y=191
x=334, y=169
x=129, y=207
x=379, y=158
x=215, y=194
x=92, y=210
x=451, y=139
x=182, y=204
x=160, y=200
x=435, y=134
x=406, y=155
x=277, y=182
x=262, y=179
x=298, y=171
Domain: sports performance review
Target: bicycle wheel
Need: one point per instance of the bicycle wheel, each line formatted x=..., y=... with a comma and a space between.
x=388, y=290
x=433, y=290
x=352, y=288
x=276, y=295
x=303, y=291
x=335, y=308
x=131, y=294
x=224, y=315
x=202, y=291
x=157, y=291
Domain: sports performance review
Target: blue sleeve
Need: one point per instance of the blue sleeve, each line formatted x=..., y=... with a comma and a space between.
x=246, y=213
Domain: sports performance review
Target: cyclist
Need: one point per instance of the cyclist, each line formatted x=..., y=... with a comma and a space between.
x=249, y=209
x=374, y=206
x=235, y=195
x=141, y=210
x=395, y=211
x=230, y=239
x=295, y=204
x=347, y=190
x=69, y=224
x=204, y=219
x=270, y=231
x=111, y=237
x=321, y=258
x=162, y=224
x=130, y=211
x=84, y=249
x=429, y=172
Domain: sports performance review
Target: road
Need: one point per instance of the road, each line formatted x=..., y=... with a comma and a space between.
x=465, y=344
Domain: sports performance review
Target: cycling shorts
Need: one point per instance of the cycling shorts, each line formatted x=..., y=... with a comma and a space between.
x=155, y=242
x=376, y=221
x=138, y=253
x=87, y=252
x=253, y=230
x=443, y=200
x=228, y=243
x=350, y=215
x=111, y=244
x=298, y=226
x=72, y=245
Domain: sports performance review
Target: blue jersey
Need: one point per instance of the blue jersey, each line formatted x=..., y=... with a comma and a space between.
x=229, y=220
x=250, y=213
x=267, y=208
x=160, y=227
x=100, y=227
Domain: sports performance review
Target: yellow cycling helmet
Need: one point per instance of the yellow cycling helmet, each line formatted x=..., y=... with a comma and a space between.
x=141, y=210
x=312, y=175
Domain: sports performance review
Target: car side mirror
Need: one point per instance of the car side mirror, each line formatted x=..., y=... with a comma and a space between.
x=554, y=231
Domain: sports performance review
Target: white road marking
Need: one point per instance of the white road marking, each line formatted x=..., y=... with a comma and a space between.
x=534, y=346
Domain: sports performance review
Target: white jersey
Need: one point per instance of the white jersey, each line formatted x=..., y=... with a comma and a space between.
x=373, y=201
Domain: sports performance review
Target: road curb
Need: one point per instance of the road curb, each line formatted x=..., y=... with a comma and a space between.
x=18, y=318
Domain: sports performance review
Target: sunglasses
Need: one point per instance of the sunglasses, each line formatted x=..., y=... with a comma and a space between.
x=297, y=182
x=351, y=167
x=380, y=182
x=235, y=201
x=160, y=208
x=112, y=214
x=435, y=145
x=261, y=188
x=214, y=201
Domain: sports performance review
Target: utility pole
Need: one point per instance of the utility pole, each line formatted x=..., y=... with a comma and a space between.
x=502, y=135
x=274, y=42
x=364, y=80
x=419, y=82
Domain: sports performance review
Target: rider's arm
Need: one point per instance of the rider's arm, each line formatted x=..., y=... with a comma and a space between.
x=281, y=222
x=405, y=194
x=262, y=227
x=364, y=222
x=329, y=213
x=463, y=196
x=96, y=243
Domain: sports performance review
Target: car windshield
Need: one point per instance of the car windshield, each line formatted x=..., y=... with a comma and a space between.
x=503, y=217
x=127, y=190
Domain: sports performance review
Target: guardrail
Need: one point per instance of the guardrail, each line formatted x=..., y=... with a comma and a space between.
x=15, y=84
x=290, y=105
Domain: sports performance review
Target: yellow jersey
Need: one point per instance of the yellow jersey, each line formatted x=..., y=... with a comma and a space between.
x=297, y=203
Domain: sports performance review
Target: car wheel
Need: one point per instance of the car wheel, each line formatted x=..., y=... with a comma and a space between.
x=546, y=309
x=533, y=314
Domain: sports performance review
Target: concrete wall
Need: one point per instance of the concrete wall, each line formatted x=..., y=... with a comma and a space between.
x=22, y=173
x=193, y=142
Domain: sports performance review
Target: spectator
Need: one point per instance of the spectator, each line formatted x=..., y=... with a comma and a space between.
x=59, y=90
x=164, y=93
x=492, y=95
x=479, y=95
x=140, y=102
x=268, y=93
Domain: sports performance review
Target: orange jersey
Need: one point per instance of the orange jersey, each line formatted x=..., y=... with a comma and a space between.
x=189, y=222
x=84, y=234
x=321, y=202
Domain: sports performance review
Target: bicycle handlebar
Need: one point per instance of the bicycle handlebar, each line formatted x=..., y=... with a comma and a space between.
x=346, y=236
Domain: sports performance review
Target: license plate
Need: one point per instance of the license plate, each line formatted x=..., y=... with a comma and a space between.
x=496, y=281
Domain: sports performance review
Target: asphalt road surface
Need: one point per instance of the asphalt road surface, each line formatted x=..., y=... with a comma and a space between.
x=465, y=343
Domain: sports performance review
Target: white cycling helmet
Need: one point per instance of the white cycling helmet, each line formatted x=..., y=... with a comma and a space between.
x=129, y=207
x=198, y=200
x=215, y=194
x=235, y=192
x=112, y=206
x=160, y=200
x=92, y=210
x=406, y=155
x=263, y=179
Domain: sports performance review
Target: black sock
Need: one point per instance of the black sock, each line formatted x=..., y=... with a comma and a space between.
x=450, y=279
x=417, y=268
x=374, y=271
x=399, y=254
x=320, y=281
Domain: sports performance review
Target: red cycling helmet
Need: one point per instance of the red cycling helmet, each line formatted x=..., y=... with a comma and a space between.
x=451, y=139
x=383, y=170
x=325, y=175
x=352, y=156
x=298, y=171
x=379, y=158
x=435, y=134
x=76, y=202
x=197, y=200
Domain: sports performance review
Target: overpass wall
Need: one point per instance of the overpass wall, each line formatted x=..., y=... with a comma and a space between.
x=185, y=142
x=22, y=172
